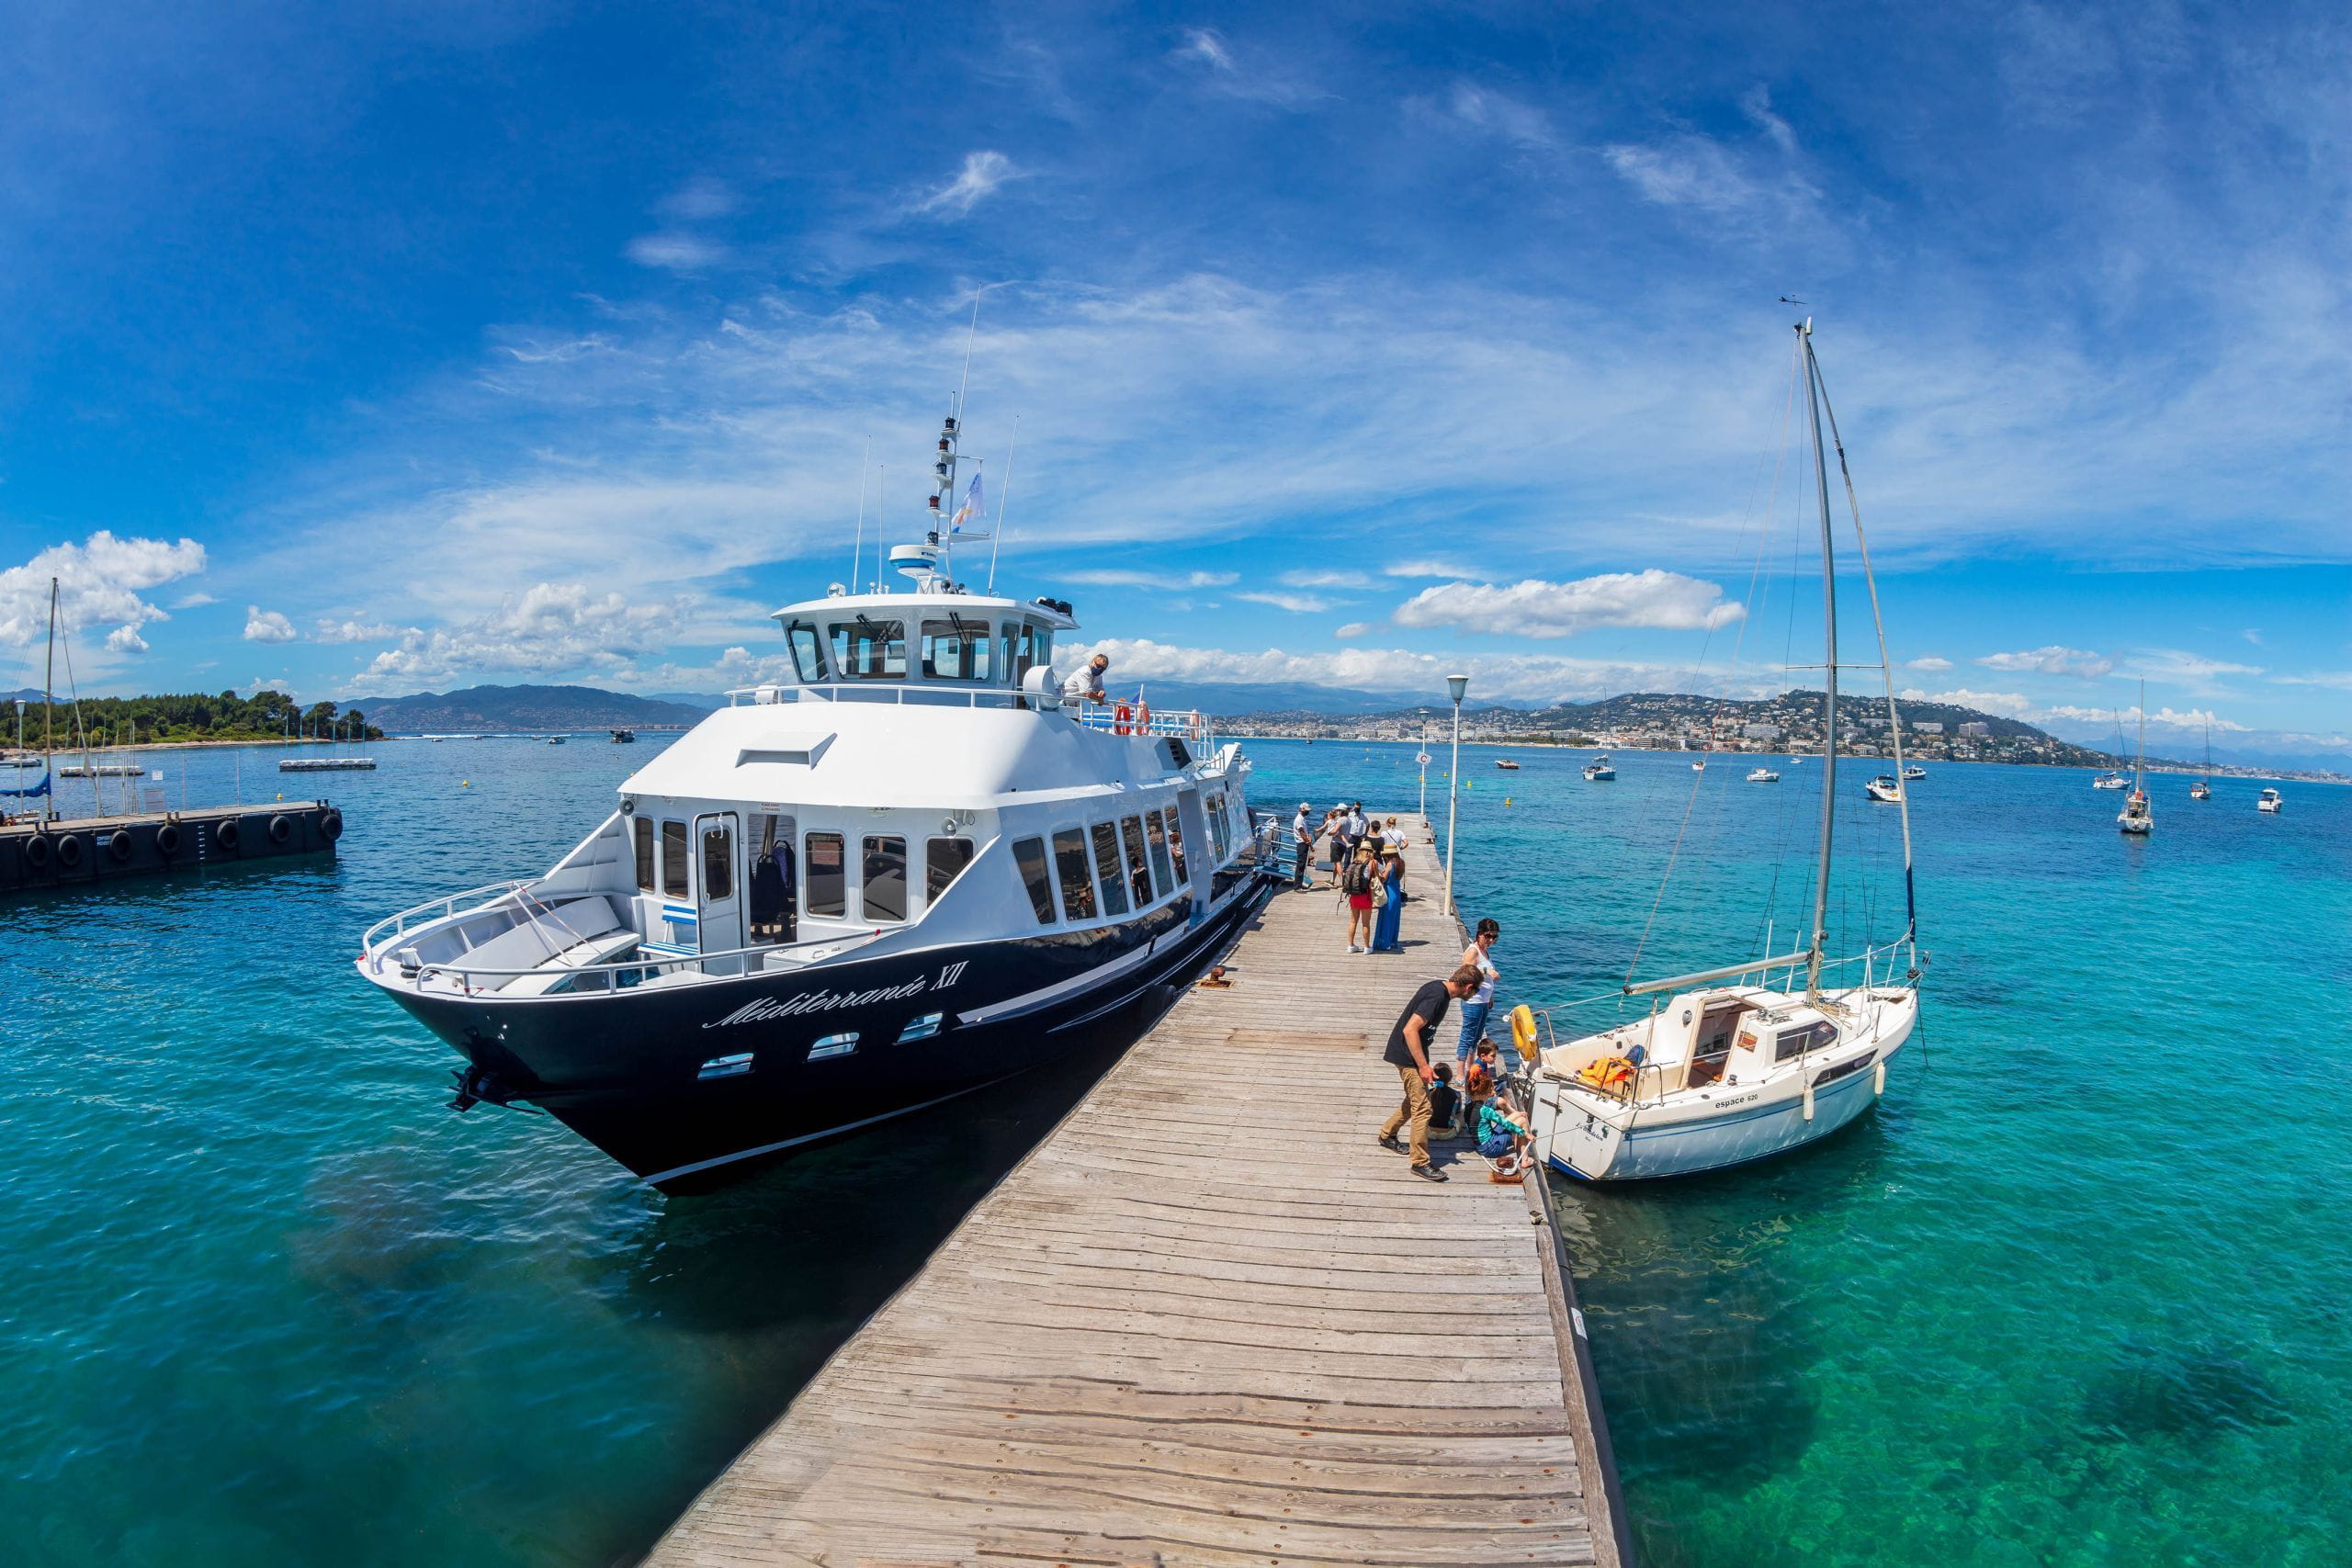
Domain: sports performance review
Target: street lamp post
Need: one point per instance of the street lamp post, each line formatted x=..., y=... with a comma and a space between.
x=1456, y=685
x=1421, y=755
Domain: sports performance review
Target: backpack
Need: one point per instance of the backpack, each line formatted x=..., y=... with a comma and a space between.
x=1357, y=879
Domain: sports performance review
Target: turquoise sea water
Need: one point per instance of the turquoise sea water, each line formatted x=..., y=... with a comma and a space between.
x=2074, y=1295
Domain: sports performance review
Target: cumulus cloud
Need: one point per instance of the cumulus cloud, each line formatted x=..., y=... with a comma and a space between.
x=2008, y=704
x=1296, y=604
x=552, y=630
x=261, y=683
x=356, y=630
x=267, y=626
x=99, y=583
x=2050, y=660
x=1929, y=664
x=979, y=178
x=191, y=600
x=1536, y=608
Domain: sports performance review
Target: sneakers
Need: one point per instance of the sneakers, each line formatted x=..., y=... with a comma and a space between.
x=1428, y=1172
x=1388, y=1141
x=1353, y=948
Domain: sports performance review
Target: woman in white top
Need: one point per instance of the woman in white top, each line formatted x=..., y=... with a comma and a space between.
x=1478, y=955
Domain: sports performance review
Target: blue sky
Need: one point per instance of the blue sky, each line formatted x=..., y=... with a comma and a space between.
x=372, y=353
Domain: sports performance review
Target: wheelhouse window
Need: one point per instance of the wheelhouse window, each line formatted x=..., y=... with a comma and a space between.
x=718, y=864
x=644, y=830
x=808, y=653
x=674, y=859
x=883, y=896
x=1176, y=843
x=868, y=649
x=943, y=862
x=1157, y=831
x=1106, y=868
x=828, y=874
x=956, y=649
x=1026, y=647
x=1029, y=854
x=1139, y=863
x=1078, y=883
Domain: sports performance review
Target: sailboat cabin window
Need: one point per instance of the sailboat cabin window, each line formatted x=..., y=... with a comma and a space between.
x=645, y=854
x=868, y=649
x=673, y=859
x=1029, y=854
x=956, y=649
x=808, y=652
x=884, y=894
x=1795, y=1041
x=828, y=877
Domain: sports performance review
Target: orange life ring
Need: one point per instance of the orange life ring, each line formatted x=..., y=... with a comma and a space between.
x=1143, y=719
x=1119, y=716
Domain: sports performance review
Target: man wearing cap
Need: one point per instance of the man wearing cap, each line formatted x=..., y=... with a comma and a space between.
x=1301, y=833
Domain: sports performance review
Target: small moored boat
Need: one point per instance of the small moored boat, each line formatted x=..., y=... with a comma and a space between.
x=2269, y=801
x=1600, y=770
x=1886, y=789
x=1762, y=775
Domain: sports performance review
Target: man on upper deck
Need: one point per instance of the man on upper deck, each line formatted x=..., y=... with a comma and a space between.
x=1087, y=685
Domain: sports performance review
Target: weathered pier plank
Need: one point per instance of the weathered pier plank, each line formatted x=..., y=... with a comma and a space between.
x=1209, y=1321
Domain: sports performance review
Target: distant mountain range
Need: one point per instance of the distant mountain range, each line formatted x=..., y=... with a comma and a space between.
x=494, y=709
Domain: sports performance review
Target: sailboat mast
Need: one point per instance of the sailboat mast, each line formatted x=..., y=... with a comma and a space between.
x=2140, y=763
x=1829, y=671
x=49, y=713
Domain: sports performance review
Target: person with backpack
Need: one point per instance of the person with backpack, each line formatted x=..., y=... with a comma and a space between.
x=1355, y=888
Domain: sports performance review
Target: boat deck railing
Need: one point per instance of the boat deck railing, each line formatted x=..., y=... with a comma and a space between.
x=392, y=927
x=1119, y=719
x=621, y=974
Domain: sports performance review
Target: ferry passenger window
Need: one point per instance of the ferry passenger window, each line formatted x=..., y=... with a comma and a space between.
x=1158, y=834
x=1078, y=883
x=717, y=864
x=673, y=859
x=1106, y=867
x=828, y=874
x=956, y=649
x=808, y=652
x=868, y=649
x=1029, y=854
x=645, y=854
x=884, y=897
x=1176, y=843
x=943, y=862
x=1138, y=867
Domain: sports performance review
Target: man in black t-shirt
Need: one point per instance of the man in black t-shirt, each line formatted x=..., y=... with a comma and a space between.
x=1409, y=1051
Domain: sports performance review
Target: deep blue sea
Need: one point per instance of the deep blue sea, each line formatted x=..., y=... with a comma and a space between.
x=2074, y=1295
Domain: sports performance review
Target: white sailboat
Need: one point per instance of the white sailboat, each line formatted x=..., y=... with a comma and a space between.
x=1600, y=770
x=1725, y=1070
x=2136, y=818
x=2203, y=788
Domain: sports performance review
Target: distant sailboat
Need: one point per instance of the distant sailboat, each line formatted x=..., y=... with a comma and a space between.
x=2135, y=817
x=2203, y=788
x=1600, y=770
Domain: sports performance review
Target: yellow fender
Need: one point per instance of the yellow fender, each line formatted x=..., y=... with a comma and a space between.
x=1523, y=1030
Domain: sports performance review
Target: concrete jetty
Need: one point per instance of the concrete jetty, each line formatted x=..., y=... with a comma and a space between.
x=1209, y=1321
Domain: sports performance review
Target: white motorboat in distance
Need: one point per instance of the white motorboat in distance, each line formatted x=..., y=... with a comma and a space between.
x=1913, y=770
x=1724, y=1071
x=2269, y=801
x=1762, y=775
x=2110, y=780
x=912, y=869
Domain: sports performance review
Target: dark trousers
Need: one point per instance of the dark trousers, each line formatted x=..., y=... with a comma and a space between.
x=1303, y=872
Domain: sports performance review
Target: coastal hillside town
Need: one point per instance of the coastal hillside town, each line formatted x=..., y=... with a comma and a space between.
x=1662, y=721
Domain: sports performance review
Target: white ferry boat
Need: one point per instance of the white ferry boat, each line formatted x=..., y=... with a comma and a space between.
x=914, y=868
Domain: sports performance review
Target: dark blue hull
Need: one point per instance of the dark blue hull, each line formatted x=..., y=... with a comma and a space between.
x=688, y=1085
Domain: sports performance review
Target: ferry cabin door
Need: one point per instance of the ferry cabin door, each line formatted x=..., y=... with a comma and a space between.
x=1199, y=860
x=771, y=880
x=721, y=903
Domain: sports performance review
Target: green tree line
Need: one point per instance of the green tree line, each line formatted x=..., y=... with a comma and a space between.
x=192, y=715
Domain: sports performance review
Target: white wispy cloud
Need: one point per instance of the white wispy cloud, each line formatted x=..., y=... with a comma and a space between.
x=1423, y=567
x=1204, y=45
x=1123, y=577
x=1296, y=604
x=981, y=176
x=2050, y=660
x=2189, y=668
x=675, y=251
x=698, y=199
x=99, y=583
x=1539, y=609
x=2006, y=705
x=1220, y=68
x=1499, y=114
x=1929, y=664
x=2337, y=680
x=1324, y=578
x=1355, y=629
x=356, y=630
x=192, y=600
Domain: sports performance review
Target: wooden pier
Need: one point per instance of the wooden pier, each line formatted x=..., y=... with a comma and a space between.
x=1209, y=1321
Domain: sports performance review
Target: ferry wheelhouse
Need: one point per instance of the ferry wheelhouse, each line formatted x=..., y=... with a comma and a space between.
x=910, y=869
